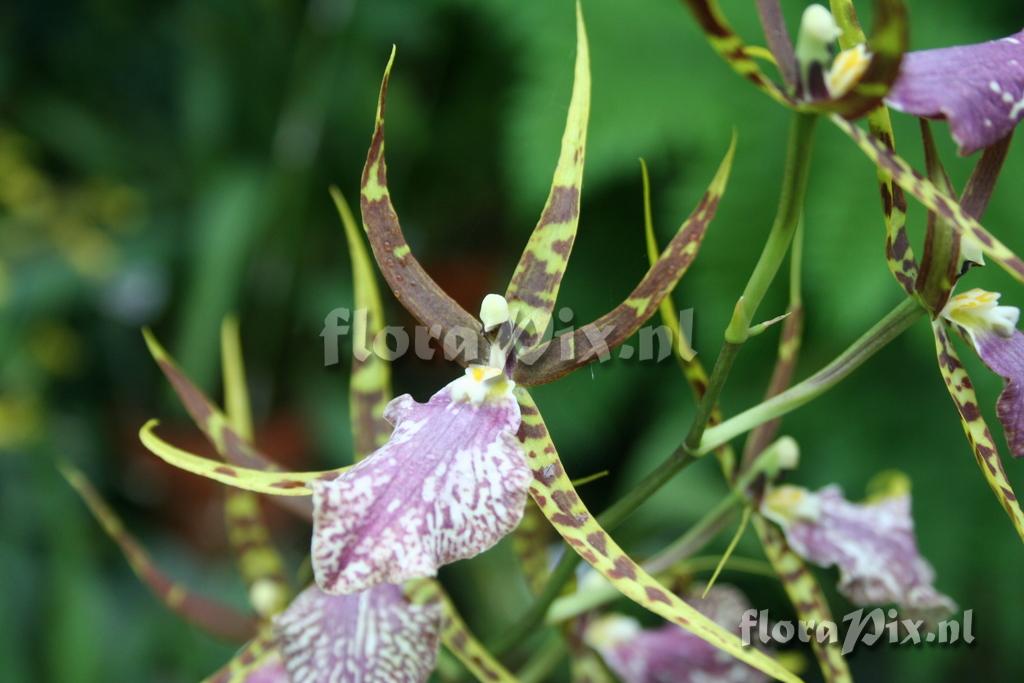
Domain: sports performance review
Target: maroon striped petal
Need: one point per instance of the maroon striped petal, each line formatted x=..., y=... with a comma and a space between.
x=992, y=330
x=375, y=636
x=450, y=483
x=669, y=653
x=872, y=543
x=978, y=88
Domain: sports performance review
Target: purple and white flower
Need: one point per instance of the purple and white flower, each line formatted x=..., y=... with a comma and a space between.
x=872, y=543
x=992, y=331
x=449, y=484
x=667, y=652
x=978, y=88
x=375, y=636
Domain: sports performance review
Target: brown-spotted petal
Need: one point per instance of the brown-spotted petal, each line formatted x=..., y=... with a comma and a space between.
x=411, y=284
x=534, y=286
x=978, y=89
x=449, y=484
x=572, y=350
x=873, y=544
x=669, y=653
x=374, y=636
x=992, y=330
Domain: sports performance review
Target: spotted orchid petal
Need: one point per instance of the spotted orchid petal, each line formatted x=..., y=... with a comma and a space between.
x=534, y=286
x=222, y=432
x=210, y=615
x=933, y=198
x=449, y=484
x=572, y=350
x=978, y=89
x=668, y=653
x=375, y=636
x=992, y=330
x=558, y=500
x=872, y=543
x=259, y=562
x=961, y=390
x=370, y=383
x=411, y=284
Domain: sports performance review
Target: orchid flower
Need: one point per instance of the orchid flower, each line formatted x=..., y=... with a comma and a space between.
x=872, y=543
x=978, y=89
x=386, y=633
x=667, y=652
x=850, y=84
x=468, y=487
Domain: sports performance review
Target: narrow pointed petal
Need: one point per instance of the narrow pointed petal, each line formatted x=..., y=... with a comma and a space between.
x=898, y=253
x=456, y=636
x=214, y=617
x=557, y=498
x=731, y=48
x=667, y=652
x=779, y=42
x=370, y=383
x=259, y=561
x=274, y=483
x=533, y=290
x=801, y=587
x=983, y=178
x=258, y=662
x=961, y=390
x=805, y=595
x=376, y=636
x=449, y=484
x=411, y=284
x=231, y=445
x=992, y=330
x=873, y=545
x=978, y=88
x=595, y=340
x=940, y=263
x=933, y=198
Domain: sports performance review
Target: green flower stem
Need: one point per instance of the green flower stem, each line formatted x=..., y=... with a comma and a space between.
x=787, y=218
x=538, y=667
x=695, y=538
x=897, y=321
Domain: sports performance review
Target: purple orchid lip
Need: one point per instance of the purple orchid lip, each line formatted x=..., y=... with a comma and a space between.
x=375, y=636
x=872, y=543
x=669, y=653
x=450, y=483
x=978, y=88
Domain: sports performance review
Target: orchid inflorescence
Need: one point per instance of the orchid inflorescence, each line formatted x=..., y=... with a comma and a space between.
x=437, y=482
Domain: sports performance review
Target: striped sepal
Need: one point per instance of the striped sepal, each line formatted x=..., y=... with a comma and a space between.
x=456, y=636
x=214, y=617
x=370, y=384
x=933, y=198
x=534, y=286
x=961, y=390
x=565, y=353
x=557, y=498
x=411, y=284
x=259, y=562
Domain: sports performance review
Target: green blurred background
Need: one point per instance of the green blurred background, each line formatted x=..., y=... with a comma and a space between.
x=165, y=163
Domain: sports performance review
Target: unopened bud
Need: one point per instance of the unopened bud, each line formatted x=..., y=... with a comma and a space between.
x=493, y=311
